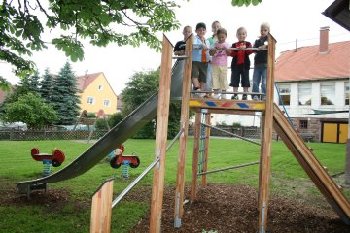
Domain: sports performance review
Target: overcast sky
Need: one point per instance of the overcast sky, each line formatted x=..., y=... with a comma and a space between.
x=290, y=20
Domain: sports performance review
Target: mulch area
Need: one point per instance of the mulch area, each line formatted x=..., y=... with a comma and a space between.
x=233, y=208
x=221, y=208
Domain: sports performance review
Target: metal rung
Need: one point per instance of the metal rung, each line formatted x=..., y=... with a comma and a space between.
x=177, y=57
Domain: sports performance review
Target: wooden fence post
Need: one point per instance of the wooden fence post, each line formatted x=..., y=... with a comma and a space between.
x=101, y=208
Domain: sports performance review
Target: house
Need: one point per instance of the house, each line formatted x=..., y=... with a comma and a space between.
x=96, y=94
x=312, y=87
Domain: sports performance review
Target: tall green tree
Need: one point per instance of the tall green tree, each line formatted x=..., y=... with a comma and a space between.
x=34, y=82
x=100, y=22
x=27, y=84
x=140, y=87
x=65, y=99
x=31, y=109
x=46, y=86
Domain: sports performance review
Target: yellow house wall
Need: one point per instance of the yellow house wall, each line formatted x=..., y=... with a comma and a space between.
x=99, y=96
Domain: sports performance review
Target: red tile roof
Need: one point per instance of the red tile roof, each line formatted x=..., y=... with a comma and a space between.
x=307, y=63
x=84, y=81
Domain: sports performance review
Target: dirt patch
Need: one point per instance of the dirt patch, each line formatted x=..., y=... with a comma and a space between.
x=221, y=208
x=53, y=199
x=233, y=208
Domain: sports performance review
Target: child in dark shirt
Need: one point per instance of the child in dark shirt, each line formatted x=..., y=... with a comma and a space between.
x=240, y=63
x=260, y=61
x=180, y=46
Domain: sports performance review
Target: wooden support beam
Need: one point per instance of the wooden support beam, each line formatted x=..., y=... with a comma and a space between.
x=264, y=175
x=161, y=134
x=180, y=178
x=196, y=134
x=241, y=105
x=101, y=208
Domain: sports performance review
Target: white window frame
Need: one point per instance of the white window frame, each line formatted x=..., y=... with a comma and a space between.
x=100, y=87
x=327, y=93
x=304, y=94
x=284, y=90
x=346, y=93
x=90, y=100
x=106, y=103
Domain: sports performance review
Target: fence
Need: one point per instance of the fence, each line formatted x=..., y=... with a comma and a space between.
x=251, y=132
x=33, y=135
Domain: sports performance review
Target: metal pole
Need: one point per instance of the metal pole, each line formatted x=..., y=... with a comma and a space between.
x=144, y=173
x=228, y=168
x=232, y=134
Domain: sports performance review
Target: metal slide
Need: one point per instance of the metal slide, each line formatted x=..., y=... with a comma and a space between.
x=116, y=136
x=311, y=165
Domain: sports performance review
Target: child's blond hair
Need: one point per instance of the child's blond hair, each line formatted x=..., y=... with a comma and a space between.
x=265, y=25
x=221, y=31
x=241, y=29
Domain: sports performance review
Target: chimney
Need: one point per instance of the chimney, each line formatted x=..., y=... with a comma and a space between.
x=324, y=39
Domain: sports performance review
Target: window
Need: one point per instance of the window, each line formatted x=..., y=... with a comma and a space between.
x=100, y=87
x=304, y=93
x=327, y=93
x=303, y=124
x=106, y=103
x=346, y=93
x=284, y=92
x=90, y=100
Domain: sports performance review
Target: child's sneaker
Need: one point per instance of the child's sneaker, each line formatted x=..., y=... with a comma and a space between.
x=199, y=94
x=244, y=97
x=234, y=97
x=216, y=96
x=223, y=96
x=256, y=98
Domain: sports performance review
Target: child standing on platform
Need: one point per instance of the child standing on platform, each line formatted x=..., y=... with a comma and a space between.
x=260, y=61
x=200, y=59
x=219, y=64
x=180, y=46
x=214, y=27
x=240, y=63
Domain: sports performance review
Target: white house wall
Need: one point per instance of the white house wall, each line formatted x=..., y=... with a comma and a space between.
x=294, y=110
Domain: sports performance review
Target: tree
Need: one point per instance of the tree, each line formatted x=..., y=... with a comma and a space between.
x=100, y=22
x=65, y=99
x=26, y=85
x=240, y=3
x=31, y=109
x=46, y=86
x=140, y=87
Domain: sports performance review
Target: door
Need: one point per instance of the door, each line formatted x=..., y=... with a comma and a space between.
x=334, y=132
x=343, y=133
x=330, y=132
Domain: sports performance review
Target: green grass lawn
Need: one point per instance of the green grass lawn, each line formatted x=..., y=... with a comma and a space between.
x=73, y=215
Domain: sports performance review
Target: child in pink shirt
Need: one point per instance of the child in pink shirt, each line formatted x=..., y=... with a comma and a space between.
x=219, y=64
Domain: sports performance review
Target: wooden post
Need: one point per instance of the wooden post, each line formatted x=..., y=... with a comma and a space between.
x=161, y=134
x=264, y=176
x=101, y=208
x=206, y=147
x=180, y=178
x=197, y=125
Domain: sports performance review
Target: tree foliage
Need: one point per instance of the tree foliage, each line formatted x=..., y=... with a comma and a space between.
x=23, y=24
x=140, y=87
x=31, y=109
x=65, y=99
x=46, y=86
x=240, y=3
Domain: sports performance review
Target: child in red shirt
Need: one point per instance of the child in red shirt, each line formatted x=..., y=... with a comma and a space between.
x=240, y=63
